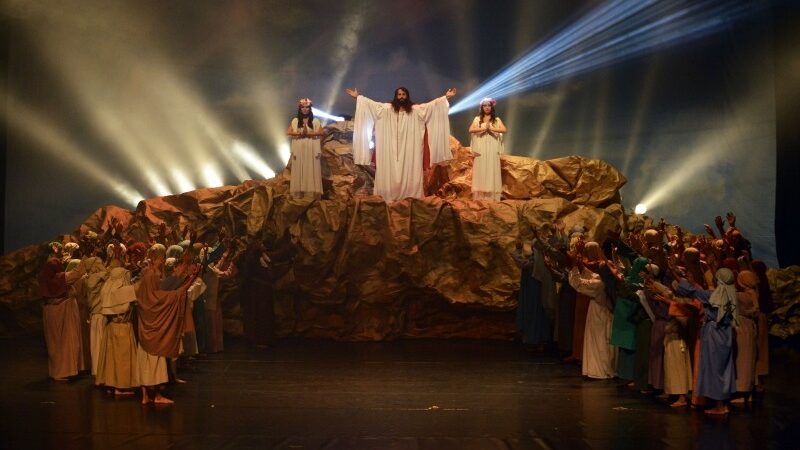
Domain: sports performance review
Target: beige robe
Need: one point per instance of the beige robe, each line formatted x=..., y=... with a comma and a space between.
x=746, y=340
x=117, y=365
x=599, y=356
x=677, y=358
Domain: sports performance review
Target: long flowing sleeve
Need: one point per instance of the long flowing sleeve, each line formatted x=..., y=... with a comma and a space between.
x=367, y=112
x=585, y=283
x=435, y=116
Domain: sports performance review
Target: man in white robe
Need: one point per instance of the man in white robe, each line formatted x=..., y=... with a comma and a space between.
x=399, y=133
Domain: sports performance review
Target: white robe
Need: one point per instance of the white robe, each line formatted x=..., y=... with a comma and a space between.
x=599, y=356
x=487, y=182
x=306, y=172
x=399, y=143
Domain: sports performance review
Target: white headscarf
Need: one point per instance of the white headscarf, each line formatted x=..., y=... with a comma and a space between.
x=725, y=293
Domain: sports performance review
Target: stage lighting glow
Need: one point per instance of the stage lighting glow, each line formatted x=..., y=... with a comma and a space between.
x=285, y=152
x=212, y=176
x=324, y=115
x=182, y=181
x=371, y=144
x=341, y=55
x=252, y=160
x=63, y=149
x=641, y=208
x=158, y=186
x=615, y=31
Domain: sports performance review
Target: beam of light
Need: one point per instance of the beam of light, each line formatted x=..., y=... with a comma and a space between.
x=285, y=152
x=601, y=106
x=523, y=35
x=156, y=183
x=63, y=148
x=324, y=115
x=211, y=176
x=549, y=119
x=642, y=107
x=181, y=180
x=615, y=31
x=341, y=56
x=251, y=159
x=142, y=106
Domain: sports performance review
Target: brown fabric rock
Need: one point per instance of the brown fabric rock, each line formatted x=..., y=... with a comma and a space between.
x=439, y=266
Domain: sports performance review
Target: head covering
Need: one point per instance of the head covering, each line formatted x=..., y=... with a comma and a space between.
x=70, y=247
x=593, y=251
x=174, y=251
x=55, y=246
x=156, y=250
x=653, y=269
x=747, y=280
x=691, y=255
x=651, y=236
x=724, y=296
x=116, y=251
x=637, y=266
x=488, y=101
x=305, y=101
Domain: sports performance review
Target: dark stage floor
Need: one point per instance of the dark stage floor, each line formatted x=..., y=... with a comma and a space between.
x=419, y=394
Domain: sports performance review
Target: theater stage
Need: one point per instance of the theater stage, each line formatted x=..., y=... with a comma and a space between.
x=406, y=394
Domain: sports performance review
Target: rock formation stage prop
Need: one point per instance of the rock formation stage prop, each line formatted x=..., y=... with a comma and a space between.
x=438, y=266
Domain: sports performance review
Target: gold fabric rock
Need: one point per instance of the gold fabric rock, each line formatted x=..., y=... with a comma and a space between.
x=439, y=266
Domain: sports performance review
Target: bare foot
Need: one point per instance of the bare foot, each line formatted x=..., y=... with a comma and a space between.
x=180, y=381
x=161, y=400
x=145, y=397
x=61, y=380
x=717, y=411
x=119, y=393
x=678, y=403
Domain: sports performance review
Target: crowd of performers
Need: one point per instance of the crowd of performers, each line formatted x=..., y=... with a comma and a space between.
x=683, y=317
x=126, y=311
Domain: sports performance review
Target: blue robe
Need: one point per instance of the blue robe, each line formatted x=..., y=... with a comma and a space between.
x=531, y=320
x=716, y=378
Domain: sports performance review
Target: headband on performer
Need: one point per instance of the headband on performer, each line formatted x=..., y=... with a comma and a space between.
x=488, y=101
x=304, y=102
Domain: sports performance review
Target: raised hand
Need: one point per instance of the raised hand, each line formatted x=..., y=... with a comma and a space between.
x=450, y=93
x=352, y=92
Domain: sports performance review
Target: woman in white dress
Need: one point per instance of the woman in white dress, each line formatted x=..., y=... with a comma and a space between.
x=487, y=132
x=305, y=132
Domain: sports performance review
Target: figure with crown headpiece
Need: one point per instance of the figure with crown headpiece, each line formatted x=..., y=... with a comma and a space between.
x=486, y=132
x=305, y=132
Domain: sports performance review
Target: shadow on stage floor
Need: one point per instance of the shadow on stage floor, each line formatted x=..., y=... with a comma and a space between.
x=413, y=394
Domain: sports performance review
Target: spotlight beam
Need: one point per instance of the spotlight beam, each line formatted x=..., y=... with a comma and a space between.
x=615, y=31
x=325, y=115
